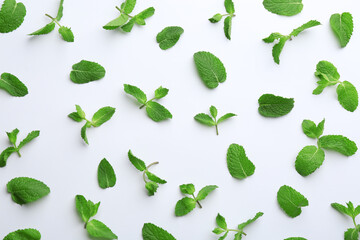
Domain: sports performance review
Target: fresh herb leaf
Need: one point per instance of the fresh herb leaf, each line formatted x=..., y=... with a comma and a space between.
x=97, y=229
x=66, y=34
x=154, y=110
x=13, y=85
x=150, y=179
x=230, y=9
x=342, y=26
x=12, y=15
x=153, y=232
x=347, y=96
x=187, y=204
x=211, y=120
x=45, y=30
x=351, y=211
x=248, y=222
x=211, y=70
x=169, y=36
x=86, y=71
x=291, y=201
x=86, y=208
x=339, y=144
x=311, y=130
x=227, y=27
x=282, y=39
x=275, y=106
x=216, y=18
x=24, y=234
x=239, y=165
x=309, y=159
x=60, y=10
x=284, y=8
x=100, y=117
x=295, y=238
x=106, y=174
x=25, y=190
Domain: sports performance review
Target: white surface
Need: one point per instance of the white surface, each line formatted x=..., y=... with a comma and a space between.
x=187, y=151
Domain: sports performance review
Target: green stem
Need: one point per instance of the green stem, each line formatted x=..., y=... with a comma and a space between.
x=196, y=200
x=147, y=168
x=122, y=12
x=355, y=223
x=54, y=19
x=18, y=152
x=217, y=130
x=236, y=230
x=146, y=103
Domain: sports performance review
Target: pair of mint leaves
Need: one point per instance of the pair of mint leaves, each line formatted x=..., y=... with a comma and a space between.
x=125, y=21
x=87, y=209
x=100, y=117
x=211, y=121
x=351, y=211
x=329, y=76
x=65, y=32
x=222, y=227
x=310, y=158
x=16, y=148
x=151, y=180
x=154, y=110
x=230, y=9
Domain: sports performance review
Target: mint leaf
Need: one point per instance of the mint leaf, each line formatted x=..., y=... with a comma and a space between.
x=60, y=11
x=106, y=174
x=291, y=201
x=295, y=238
x=342, y=26
x=117, y=22
x=238, y=164
x=24, y=234
x=284, y=7
x=45, y=30
x=102, y=115
x=129, y=25
x=211, y=120
x=227, y=27
x=342, y=209
x=25, y=190
x=205, y=191
x=139, y=164
x=5, y=155
x=12, y=15
x=311, y=130
x=32, y=135
x=213, y=111
x=75, y=116
x=66, y=34
x=339, y=144
x=168, y=37
x=98, y=229
x=225, y=117
x=13, y=85
x=144, y=15
x=135, y=92
x=184, y=206
x=187, y=188
x=351, y=234
x=83, y=132
x=128, y=6
x=275, y=106
x=154, y=178
x=221, y=222
x=151, y=187
x=347, y=96
x=86, y=208
x=80, y=112
x=211, y=70
x=153, y=232
x=86, y=71
x=309, y=24
x=216, y=18
x=160, y=93
x=204, y=119
x=157, y=112
x=13, y=135
x=248, y=222
x=308, y=160
x=229, y=6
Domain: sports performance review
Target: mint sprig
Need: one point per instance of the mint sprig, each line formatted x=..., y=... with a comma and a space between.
x=230, y=9
x=352, y=212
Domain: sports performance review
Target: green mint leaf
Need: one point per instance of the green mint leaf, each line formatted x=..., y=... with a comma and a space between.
x=339, y=144
x=351, y=234
x=229, y=6
x=277, y=49
x=341, y=208
x=157, y=112
x=205, y=191
x=153, y=232
x=161, y=92
x=5, y=155
x=144, y=15
x=342, y=26
x=295, y=238
x=83, y=132
x=136, y=93
x=13, y=136
x=75, y=116
x=213, y=111
x=225, y=117
x=139, y=164
x=25, y=190
x=211, y=70
x=248, y=222
x=66, y=34
x=169, y=36
x=80, y=112
x=102, y=115
x=32, y=135
x=218, y=231
x=221, y=222
x=12, y=85
x=239, y=165
x=308, y=160
x=60, y=11
x=216, y=18
x=45, y=30
x=205, y=119
x=24, y=234
x=151, y=187
x=12, y=15
x=311, y=130
x=128, y=6
x=328, y=75
x=117, y=22
x=291, y=201
x=309, y=24
x=238, y=236
x=187, y=188
x=272, y=37
x=83, y=208
x=129, y=25
x=347, y=96
x=275, y=106
x=98, y=229
x=284, y=8
x=224, y=236
x=86, y=71
x=184, y=206
x=227, y=27
x=106, y=174
x=155, y=178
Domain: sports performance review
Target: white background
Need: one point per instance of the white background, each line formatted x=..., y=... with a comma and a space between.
x=187, y=151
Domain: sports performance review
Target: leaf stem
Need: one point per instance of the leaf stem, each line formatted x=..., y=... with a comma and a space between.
x=154, y=163
x=196, y=200
x=18, y=152
x=122, y=12
x=217, y=130
x=146, y=170
x=53, y=19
